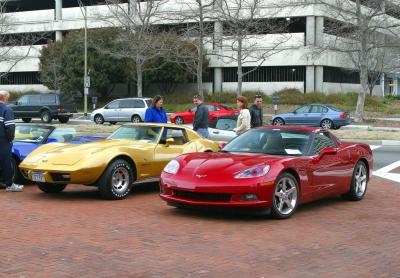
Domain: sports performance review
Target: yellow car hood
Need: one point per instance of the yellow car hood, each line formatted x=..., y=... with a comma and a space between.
x=71, y=154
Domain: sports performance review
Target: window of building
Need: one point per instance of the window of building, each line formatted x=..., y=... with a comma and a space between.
x=266, y=74
x=39, y=38
x=20, y=78
x=341, y=75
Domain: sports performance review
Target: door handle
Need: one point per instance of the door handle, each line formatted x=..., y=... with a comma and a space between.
x=216, y=132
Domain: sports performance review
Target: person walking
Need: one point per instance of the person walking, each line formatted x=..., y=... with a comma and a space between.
x=7, y=134
x=201, y=117
x=244, y=118
x=156, y=113
x=256, y=112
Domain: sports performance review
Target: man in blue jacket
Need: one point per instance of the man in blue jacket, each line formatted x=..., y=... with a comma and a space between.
x=7, y=133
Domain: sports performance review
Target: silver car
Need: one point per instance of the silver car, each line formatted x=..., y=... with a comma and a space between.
x=122, y=110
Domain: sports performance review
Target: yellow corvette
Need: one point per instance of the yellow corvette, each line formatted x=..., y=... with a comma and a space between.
x=132, y=153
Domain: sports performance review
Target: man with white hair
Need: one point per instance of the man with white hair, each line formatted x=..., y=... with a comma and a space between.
x=7, y=133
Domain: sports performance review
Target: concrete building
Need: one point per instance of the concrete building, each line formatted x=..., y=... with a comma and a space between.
x=289, y=68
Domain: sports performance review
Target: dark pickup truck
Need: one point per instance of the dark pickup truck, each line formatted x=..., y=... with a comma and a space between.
x=46, y=106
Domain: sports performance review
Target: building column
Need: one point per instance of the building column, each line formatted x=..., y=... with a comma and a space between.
x=217, y=45
x=310, y=80
x=314, y=38
x=58, y=16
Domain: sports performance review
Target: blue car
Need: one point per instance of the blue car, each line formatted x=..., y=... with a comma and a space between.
x=314, y=115
x=30, y=137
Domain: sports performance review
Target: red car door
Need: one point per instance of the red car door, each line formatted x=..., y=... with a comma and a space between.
x=326, y=166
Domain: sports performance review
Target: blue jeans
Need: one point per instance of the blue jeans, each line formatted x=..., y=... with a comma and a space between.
x=203, y=132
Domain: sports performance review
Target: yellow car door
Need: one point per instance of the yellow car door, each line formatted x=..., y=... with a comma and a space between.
x=173, y=143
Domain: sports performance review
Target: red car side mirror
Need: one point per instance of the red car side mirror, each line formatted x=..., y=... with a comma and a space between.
x=328, y=150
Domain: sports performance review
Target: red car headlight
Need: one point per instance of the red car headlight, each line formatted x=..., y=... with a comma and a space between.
x=253, y=172
x=172, y=167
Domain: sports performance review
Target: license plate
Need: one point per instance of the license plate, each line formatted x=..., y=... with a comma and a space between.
x=37, y=176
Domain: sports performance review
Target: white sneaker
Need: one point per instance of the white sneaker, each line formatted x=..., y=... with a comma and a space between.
x=15, y=188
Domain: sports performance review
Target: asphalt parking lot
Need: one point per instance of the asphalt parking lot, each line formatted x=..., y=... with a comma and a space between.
x=77, y=234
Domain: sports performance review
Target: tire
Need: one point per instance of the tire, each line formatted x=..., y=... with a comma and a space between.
x=26, y=120
x=179, y=121
x=51, y=188
x=45, y=117
x=327, y=124
x=136, y=119
x=17, y=177
x=278, y=121
x=98, y=119
x=359, y=183
x=117, y=180
x=283, y=197
x=63, y=120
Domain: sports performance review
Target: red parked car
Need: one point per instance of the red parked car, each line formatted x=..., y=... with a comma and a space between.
x=270, y=168
x=216, y=110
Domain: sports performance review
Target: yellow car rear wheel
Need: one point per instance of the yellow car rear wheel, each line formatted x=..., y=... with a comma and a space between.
x=117, y=180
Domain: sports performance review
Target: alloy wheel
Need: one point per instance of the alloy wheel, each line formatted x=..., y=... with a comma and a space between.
x=120, y=179
x=326, y=124
x=178, y=120
x=360, y=180
x=285, y=196
x=278, y=121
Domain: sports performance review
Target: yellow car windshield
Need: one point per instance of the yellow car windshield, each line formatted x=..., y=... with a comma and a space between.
x=137, y=133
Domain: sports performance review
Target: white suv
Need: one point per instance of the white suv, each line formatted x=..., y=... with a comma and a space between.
x=122, y=110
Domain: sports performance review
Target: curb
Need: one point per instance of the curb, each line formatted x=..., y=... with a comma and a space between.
x=374, y=142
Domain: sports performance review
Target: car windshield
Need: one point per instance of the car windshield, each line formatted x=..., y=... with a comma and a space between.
x=270, y=141
x=148, y=134
x=63, y=135
x=31, y=133
x=334, y=109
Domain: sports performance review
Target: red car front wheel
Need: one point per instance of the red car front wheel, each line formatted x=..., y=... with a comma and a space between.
x=286, y=196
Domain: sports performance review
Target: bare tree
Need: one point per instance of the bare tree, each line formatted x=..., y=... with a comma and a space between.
x=197, y=17
x=137, y=41
x=243, y=23
x=51, y=66
x=364, y=33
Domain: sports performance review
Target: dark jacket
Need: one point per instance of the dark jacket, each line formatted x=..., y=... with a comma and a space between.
x=256, y=116
x=7, y=124
x=154, y=115
x=201, y=117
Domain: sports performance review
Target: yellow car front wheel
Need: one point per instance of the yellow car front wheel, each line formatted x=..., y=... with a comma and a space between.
x=117, y=180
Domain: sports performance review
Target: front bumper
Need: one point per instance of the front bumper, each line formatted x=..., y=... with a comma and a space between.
x=221, y=196
x=81, y=176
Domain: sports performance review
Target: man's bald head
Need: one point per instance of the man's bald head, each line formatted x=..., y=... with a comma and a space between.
x=4, y=96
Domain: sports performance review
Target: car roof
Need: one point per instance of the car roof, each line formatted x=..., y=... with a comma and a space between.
x=144, y=98
x=296, y=128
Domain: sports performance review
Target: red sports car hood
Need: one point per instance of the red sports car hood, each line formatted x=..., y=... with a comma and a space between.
x=222, y=166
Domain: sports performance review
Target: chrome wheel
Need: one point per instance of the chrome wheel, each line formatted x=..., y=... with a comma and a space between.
x=98, y=119
x=278, y=121
x=285, y=196
x=136, y=119
x=360, y=180
x=120, y=179
x=326, y=124
x=178, y=121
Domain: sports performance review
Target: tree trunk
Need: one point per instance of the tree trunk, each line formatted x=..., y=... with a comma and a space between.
x=240, y=69
x=139, y=76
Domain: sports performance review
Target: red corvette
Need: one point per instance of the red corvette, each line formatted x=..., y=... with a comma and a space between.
x=216, y=110
x=270, y=168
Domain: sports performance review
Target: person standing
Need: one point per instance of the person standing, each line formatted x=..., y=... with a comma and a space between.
x=256, y=112
x=7, y=134
x=244, y=118
x=201, y=117
x=156, y=113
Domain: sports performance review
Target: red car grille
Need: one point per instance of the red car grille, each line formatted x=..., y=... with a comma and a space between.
x=214, y=197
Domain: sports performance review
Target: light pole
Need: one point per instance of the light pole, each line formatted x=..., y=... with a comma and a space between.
x=86, y=78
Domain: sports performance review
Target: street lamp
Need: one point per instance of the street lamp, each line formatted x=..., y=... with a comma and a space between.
x=86, y=78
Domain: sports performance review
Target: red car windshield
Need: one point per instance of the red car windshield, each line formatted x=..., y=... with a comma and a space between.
x=271, y=141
